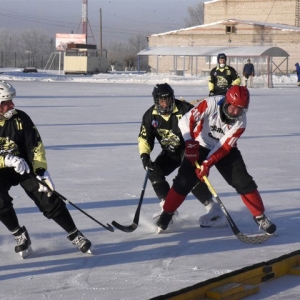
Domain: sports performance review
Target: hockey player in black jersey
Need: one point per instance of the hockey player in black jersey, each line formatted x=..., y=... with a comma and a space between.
x=160, y=122
x=222, y=77
x=23, y=162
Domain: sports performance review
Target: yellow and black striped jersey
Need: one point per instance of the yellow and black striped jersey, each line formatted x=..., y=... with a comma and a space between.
x=20, y=137
x=163, y=128
x=221, y=79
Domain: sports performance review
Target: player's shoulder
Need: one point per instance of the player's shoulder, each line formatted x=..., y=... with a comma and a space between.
x=231, y=68
x=183, y=106
x=182, y=103
x=149, y=110
x=21, y=114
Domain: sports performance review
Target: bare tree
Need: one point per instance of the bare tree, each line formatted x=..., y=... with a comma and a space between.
x=123, y=56
x=34, y=44
x=136, y=44
x=196, y=15
x=7, y=47
x=116, y=53
x=130, y=61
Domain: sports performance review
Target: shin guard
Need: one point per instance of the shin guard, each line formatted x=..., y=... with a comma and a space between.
x=254, y=203
x=173, y=201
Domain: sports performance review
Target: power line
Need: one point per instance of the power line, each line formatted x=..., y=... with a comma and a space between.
x=70, y=25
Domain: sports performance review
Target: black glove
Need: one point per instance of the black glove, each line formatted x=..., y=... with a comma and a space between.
x=147, y=163
x=211, y=93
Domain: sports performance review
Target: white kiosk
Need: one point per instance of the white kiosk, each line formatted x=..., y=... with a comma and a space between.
x=85, y=59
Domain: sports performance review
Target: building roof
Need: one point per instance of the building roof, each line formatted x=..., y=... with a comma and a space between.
x=283, y=27
x=247, y=51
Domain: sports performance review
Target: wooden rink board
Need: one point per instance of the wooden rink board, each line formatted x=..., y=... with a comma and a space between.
x=240, y=283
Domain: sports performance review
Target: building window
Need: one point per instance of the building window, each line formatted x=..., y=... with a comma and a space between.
x=230, y=29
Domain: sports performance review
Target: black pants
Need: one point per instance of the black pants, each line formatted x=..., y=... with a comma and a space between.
x=164, y=165
x=51, y=207
x=231, y=167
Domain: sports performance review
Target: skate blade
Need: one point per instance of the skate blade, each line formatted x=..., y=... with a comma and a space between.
x=90, y=250
x=205, y=226
x=26, y=252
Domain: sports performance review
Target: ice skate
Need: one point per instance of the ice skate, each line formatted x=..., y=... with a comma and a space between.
x=163, y=221
x=23, y=242
x=214, y=218
x=157, y=215
x=80, y=241
x=265, y=224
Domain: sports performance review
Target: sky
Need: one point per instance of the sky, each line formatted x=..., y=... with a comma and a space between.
x=89, y=126
x=121, y=19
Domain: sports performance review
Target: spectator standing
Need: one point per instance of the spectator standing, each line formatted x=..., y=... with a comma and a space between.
x=249, y=73
x=298, y=72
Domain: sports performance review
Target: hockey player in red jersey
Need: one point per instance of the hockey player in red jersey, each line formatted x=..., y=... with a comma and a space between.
x=160, y=122
x=211, y=131
x=23, y=162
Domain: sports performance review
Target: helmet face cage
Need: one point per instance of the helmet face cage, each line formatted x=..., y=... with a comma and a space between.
x=241, y=112
x=166, y=93
x=221, y=56
x=237, y=98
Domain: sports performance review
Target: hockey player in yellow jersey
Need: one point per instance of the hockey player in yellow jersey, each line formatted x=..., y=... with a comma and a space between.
x=23, y=162
x=160, y=122
x=222, y=77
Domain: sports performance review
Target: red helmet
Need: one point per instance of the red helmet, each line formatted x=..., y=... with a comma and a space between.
x=239, y=98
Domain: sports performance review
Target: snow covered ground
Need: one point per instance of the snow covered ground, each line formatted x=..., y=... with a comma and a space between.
x=89, y=125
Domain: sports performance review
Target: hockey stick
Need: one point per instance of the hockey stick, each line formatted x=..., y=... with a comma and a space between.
x=195, y=102
x=255, y=239
x=136, y=218
x=108, y=227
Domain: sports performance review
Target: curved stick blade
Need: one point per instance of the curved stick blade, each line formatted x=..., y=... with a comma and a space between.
x=257, y=239
x=123, y=228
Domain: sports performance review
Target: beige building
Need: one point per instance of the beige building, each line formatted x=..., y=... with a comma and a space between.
x=232, y=24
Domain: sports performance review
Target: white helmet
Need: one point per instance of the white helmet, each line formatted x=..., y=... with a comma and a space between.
x=7, y=91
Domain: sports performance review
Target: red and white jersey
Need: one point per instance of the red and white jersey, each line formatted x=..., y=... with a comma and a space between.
x=204, y=124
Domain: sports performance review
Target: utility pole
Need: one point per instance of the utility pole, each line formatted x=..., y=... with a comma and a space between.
x=101, y=31
x=84, y=18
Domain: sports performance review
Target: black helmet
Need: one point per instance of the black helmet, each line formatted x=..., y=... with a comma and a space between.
x=223, y=56
x=163, y=91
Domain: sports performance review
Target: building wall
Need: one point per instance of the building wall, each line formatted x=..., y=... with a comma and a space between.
x=279, y=11
x=244, y=34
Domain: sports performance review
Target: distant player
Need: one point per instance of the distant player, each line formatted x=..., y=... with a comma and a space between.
x=222, y=77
